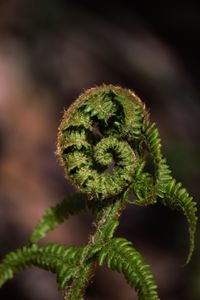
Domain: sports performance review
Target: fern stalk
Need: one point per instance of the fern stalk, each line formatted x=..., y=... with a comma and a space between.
x=107, y=222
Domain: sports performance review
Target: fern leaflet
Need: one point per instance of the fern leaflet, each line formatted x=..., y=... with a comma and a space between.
x=57, y=214
x=56, y=258
x=119, y=255
x=177, y=197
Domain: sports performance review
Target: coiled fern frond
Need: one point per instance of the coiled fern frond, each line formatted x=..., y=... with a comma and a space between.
x=105, y=143
x=101, y=125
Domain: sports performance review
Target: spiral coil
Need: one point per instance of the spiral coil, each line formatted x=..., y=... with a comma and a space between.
x=104, y=143
x=98, y=140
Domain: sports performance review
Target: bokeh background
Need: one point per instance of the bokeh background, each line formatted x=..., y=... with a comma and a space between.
x=50, y=52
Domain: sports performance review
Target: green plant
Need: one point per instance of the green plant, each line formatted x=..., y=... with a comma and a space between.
x=105, y=143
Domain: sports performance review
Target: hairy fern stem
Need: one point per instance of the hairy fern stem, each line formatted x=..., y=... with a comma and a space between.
x=106, y=224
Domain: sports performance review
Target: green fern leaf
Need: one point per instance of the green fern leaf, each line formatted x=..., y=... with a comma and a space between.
x=56, y=258
x=163, y=178
x=105, y=140
x=57, y=214
x=171, y=193
x=143, y=187
x=153, y=141
x=177, y=197
x=119, y=255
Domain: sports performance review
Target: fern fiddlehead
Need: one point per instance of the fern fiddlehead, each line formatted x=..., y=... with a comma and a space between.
x=96, y=129
x=104, y=142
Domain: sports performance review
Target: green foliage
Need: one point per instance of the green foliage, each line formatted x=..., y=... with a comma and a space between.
x=177, y=197
x=56, y=258
x=119, y=255
x=162, y=171
x=57, y=214
x=171, y=193
x=105, y=143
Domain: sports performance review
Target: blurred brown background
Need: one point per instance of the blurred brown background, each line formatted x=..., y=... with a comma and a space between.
x=50, y=51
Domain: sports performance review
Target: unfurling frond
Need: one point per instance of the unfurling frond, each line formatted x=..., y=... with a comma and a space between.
x=153, y=141
x=171, y=193
x=162, y=171
x=119, y=255
x=109, y=149
x=104, y=125
x=56, y=215
x=56, y=258
x=177, y=197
